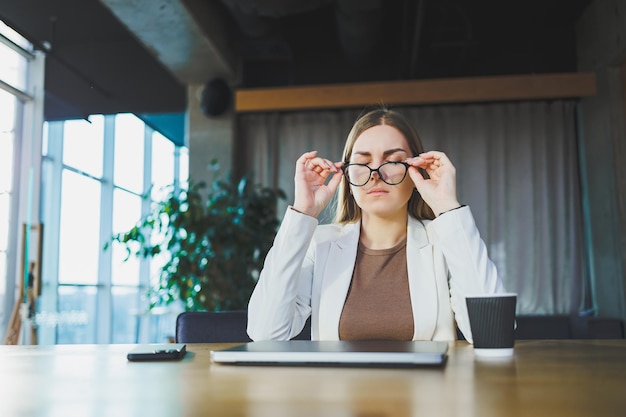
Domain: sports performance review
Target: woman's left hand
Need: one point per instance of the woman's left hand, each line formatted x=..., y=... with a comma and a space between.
x=439, y=191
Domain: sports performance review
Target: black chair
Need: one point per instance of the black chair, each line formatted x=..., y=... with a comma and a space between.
x=543, y=327
x=568, y=327
x=219, y=327
x=597, y=328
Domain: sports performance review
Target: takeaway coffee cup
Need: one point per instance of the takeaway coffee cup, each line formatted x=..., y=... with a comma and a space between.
x=492, y=321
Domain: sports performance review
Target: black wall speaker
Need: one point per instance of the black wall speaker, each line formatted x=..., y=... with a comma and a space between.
x=216, y=97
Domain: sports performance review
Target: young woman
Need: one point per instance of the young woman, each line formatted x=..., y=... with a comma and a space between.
x=400, y=258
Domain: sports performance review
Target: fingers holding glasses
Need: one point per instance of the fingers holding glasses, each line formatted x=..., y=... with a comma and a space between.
x=439, y=189
x=309, y=161
x=311, y=191
x=435, y=163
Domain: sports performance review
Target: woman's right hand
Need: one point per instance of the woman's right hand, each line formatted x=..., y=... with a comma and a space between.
x=312, y=193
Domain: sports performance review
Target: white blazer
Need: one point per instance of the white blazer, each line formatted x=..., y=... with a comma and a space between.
x=308, y=271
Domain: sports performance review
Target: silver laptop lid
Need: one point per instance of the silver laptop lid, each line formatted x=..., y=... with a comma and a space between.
x=337, y=353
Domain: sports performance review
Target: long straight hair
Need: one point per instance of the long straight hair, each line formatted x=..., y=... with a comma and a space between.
x=347, y=209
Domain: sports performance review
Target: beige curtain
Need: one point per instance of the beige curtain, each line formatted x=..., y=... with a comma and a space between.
x=517, y=168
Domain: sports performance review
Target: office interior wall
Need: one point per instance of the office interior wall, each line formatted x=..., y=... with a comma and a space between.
x=208, y=137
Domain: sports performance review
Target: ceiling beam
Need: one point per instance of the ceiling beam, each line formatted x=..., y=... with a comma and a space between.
x=189, y=37
x=435, y=91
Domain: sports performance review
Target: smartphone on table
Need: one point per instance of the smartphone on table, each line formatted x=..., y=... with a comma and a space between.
x=157, y=352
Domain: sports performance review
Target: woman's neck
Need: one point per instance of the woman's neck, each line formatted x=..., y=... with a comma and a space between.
x=382, y=233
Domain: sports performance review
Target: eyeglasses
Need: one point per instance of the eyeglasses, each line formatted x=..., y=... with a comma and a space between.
x=391, y=173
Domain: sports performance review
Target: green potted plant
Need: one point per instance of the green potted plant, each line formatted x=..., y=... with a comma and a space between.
x=216, y=238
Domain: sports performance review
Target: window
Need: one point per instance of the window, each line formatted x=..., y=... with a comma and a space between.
x=97, y=173
x=7, y=143
x=94, y=176
x=16, y=106
x=14, y=65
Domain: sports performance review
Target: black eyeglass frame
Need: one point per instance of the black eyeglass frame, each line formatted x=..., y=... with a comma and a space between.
x=344, y=168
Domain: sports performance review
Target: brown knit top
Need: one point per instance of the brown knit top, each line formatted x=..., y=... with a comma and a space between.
x=378, y=304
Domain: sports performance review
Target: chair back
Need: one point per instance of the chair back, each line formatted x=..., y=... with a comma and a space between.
x=568, y=327
x=219, y=327
x=543, y=327
x=597, y=328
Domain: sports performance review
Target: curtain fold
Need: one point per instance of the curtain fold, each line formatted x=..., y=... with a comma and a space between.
x=517, y=168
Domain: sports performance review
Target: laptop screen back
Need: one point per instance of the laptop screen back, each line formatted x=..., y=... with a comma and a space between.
x=334, y=353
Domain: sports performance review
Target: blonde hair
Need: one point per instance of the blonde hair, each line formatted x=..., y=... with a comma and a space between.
x=347, y=209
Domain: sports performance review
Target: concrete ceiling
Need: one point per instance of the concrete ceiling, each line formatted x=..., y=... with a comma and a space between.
x=108, y=56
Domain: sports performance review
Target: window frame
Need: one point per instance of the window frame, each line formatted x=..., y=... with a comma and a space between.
x=26, y=162
x=105, y=288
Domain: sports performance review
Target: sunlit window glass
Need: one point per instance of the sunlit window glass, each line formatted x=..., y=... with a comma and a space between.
x=3, y=266
x=184, y=167
x=126, y=315
x=76, y=317
x=79, y=243
x=129, y=152
x=158, y=261
x=44, y=139
x=82, y=148
x=5, y=200
x=126, y=213
x=162, y=166
x=15, y=37
x=156, y=266
x=13, y=68
x=7, y=115
x=6, y=140
x=46, y=189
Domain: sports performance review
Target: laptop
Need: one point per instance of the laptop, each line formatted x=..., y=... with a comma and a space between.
x=334, y=353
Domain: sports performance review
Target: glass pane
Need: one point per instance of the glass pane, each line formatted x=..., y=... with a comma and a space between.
x=5, y=201
x=3, y=276
x=13, y=68
x=82, y=145
x=76, y=319
x=45, y=191
x=7, y=120
x=7, y=115
x=162, y=166
x=126, y=315
x=129, y=152
x=184, y=167
x=156, y=266
x=126, y=213
x=6, y=161
x=79, y=240
x=44, y=139
x=162, y=326
x=14, y=37
x=3, y=273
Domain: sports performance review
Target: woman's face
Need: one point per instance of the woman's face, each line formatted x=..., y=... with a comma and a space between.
x=374, y=147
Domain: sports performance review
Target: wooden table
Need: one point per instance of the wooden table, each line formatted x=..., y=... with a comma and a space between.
x=544, y=378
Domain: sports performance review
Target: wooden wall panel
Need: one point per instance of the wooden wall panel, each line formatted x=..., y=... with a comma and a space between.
x=435, y=91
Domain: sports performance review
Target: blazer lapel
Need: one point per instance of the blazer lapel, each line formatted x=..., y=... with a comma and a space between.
x=422, y=280
x=337, y=276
